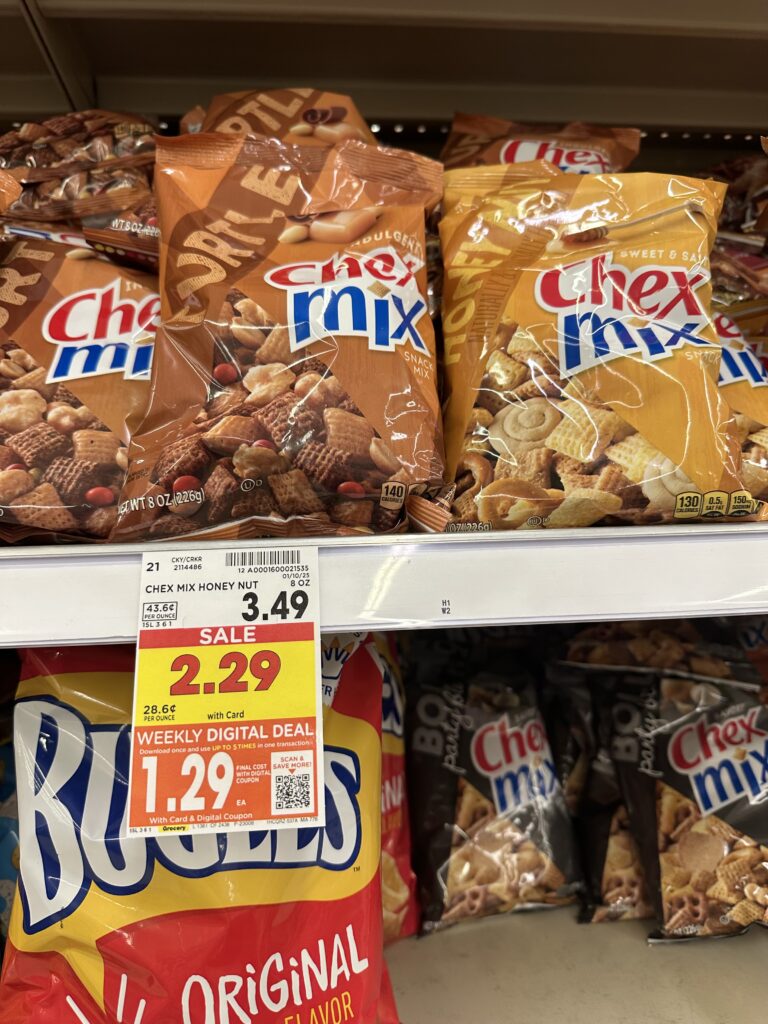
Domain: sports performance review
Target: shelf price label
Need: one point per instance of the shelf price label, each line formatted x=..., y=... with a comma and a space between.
x=227, y=713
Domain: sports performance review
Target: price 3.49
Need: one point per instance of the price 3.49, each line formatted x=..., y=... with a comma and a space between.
x=280, y=608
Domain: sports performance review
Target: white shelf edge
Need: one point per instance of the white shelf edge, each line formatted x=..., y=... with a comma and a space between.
x=89, y=594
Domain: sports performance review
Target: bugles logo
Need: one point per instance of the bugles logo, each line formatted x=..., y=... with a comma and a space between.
x=517, y=760
x=372, y=295
x=97, y=331
x=605, y=311
x=392, y=700
x=578, y=161
x=73, y=814
x=724, y=761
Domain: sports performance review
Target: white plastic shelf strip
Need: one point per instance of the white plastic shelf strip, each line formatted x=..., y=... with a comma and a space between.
x=80, y=594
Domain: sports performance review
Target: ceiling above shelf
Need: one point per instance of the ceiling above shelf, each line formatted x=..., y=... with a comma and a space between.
x=414, y=581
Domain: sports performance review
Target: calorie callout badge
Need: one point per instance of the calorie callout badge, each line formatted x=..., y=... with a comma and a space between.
x=227, y=711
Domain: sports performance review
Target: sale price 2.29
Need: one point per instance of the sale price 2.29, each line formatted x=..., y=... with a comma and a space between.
x=241, y=670
x=208, y=778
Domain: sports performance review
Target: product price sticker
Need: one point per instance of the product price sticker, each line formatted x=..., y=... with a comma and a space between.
x=227, y=713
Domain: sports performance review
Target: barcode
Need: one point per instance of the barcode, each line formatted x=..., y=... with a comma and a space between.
x=283, y=556
x=291, y=793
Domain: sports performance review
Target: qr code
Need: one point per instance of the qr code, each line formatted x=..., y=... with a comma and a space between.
x=292, y=792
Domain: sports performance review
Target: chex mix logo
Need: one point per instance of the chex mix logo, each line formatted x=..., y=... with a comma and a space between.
x=99, y=331
x=578, y=161
x=373, y=296
x=605, y=311
x=738, y=361
x=724, y=761
x=517, y=760
x=73, y=817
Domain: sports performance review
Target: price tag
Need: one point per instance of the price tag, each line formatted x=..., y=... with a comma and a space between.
x=227, y=713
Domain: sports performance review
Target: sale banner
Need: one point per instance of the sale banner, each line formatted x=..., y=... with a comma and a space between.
x=227, y=713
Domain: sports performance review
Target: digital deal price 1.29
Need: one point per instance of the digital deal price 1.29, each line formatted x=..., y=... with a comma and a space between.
x=226, y=729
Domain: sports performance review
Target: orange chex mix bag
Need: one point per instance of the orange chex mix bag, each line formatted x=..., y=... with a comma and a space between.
x=576, y=148
x=581, y=361
x=744, y=385
x=268, y=927
x=76, y=356
x=305, y=116
x=294, y=389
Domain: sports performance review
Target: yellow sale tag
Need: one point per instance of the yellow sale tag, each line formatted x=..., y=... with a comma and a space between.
x=227, y=722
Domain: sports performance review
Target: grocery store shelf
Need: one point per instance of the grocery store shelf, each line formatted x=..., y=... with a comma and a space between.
x=554, y=60
x=689, y=17
x=540, y=968
x=76, y=594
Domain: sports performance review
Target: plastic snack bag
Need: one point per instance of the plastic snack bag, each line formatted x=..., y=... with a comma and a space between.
x=576, y=147
x=687, y=738
x=743, y=382
x=304, y=116
x=252, y=926
x=711, y=747
x=586, y=717
x=9, y=818
x=398, y=881
x=581, y=362
x=80, y=163
x=9, y=836
x=294, y=385
x=75, y=365
x=10, y=190
x=491, y=831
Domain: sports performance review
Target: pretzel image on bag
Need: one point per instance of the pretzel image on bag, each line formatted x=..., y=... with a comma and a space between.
x=581, y=362
x=490, y=826
x=256, y=927
x=578, y=148
x=303, y=116
x=294, y=383
x=75, y=366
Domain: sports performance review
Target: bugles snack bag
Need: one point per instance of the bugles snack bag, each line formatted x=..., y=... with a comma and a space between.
x=294, y=385
x=304, y=116
x=9, y=818
x=576, y=147
x=398, y=882
x=581, y=362
x=254, y=927
x=490, y=826
x=75, y=361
